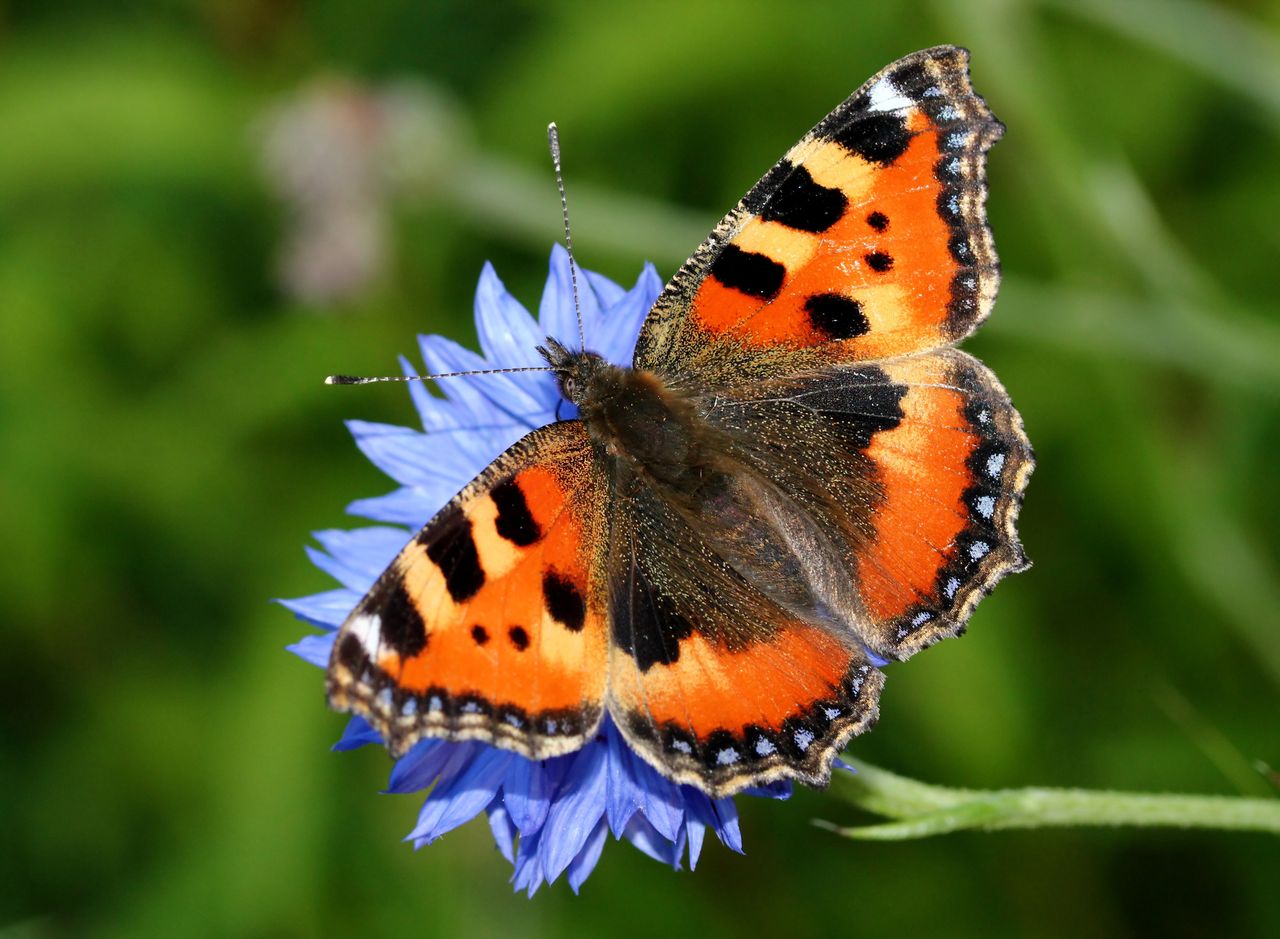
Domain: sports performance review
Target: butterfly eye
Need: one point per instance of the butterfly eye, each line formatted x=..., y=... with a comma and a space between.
x=570, y=386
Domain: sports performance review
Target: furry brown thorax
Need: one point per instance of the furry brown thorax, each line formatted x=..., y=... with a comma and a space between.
x=634, y=416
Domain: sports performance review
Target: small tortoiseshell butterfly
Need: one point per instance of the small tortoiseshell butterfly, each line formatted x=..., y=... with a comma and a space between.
x=797, y=481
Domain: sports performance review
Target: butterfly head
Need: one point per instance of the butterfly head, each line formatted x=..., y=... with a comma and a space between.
x=575, y=371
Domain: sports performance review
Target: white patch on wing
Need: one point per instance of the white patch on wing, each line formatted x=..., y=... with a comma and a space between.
x=727, y=757
x=367, y=627
x=886, y=96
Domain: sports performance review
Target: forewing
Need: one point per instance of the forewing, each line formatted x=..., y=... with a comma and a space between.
x=867, y=240
x=488, y=625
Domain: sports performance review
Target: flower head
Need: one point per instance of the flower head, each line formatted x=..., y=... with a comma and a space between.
x=548, y=817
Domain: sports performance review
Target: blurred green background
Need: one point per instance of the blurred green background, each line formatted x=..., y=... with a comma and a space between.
x=207, y=206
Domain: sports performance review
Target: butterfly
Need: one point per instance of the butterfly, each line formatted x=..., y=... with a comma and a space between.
x=798, y=481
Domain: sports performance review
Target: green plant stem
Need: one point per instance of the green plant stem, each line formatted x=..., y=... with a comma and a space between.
x=920, y=810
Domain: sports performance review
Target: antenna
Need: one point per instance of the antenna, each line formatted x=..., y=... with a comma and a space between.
x=553, y=140
x=358, y=380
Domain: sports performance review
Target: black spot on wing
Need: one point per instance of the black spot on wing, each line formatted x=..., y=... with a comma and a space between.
x=747, y=272
x=515, y=522
x=799, y=202
x=862, y=402
x=879, y=262
x=911, y=80
x=878, y=220
x=836, y=316
x=452, y=547
x=519, y=637
x=564, y=601
x=876, y=137
x=646, y=624
x=402, y=631
x=479, y=634
x=351, y=655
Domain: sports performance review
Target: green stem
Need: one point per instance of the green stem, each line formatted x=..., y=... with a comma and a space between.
x=921, y=810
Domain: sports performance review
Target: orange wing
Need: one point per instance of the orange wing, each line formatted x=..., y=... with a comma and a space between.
x=951, y=475
x=487, y=625
x=918, y=462
x=710, y=681
x=867, y=240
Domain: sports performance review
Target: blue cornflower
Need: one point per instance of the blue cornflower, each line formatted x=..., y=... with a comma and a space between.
x=551, y=816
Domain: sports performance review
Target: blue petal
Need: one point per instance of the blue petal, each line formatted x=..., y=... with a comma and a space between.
x=775, y=790
x=607, y=292
x=695, y=831
x=876, y=660
x=504, y=832
x=445, y=455
x=556, y=312
x=409, y=506
x=582, y=865
x=720, y=815
x=314, y=649
x=433, y=411
x=625, y=795
x=663, y=803
x=352, y=578
x=357, y=734
x=528, y=873
x=653, y=843
x=527, y=793
x=509, y=338
x=506, y=330
x=425, y=761
x=367, y=551
x=458, y=798
x=578, y=806
x=327, y=609
x=615, y=338
x=410, y=457
x=465, y=393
